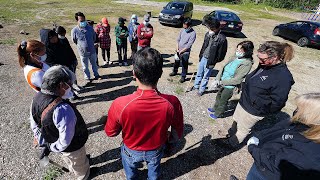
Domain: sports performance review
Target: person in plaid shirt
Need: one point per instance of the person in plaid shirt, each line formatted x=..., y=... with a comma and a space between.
x=103, y=29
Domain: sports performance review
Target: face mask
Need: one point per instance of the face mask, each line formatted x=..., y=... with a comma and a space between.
x=145, y=23
x=239, y=54
x=83, y=24
x=67, y=94
x=187, y=29
x=211, y=32
x=43, y=57
x=61, y=37
x=133, y=20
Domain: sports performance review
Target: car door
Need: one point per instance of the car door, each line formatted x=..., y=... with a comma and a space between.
x=298, y=30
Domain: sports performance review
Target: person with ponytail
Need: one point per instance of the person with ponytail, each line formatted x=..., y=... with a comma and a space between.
x=31, y=56
x=265, y=90
x=290, y=149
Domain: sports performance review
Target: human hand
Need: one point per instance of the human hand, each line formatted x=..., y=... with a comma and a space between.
x=253, y=140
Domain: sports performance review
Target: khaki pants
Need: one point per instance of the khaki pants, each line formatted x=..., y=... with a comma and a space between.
x=78, y=163
x=243, y=122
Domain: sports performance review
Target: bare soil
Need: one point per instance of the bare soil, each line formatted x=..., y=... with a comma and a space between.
x=200, y=156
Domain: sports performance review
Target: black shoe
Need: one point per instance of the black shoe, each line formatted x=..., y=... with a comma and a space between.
x=173, y=74
x=182, y=80
x=232, y=177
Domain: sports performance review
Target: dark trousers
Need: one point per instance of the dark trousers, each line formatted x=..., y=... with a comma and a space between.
x=97, y=55
x=122, y=49
x=224, y=94
x=134, y=47
x=184, y=59
x=103, y=52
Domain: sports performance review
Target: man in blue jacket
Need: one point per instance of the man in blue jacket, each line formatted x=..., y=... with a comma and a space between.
x=84, y=37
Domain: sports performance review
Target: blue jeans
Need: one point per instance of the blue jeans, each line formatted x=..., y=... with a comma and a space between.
x=132, y=159
x=255, y=174
x=203, y=75
x=92, y=57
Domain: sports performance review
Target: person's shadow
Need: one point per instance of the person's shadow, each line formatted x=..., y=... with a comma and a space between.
x=97, y=125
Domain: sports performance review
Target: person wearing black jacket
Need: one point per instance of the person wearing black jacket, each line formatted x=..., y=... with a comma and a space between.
x=290, y=149
x=265, y=90
x=214, y=49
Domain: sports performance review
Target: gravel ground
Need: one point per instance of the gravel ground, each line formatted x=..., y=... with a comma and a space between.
x=200, y=155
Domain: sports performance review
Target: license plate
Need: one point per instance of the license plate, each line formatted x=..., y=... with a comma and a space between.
x=230, y=25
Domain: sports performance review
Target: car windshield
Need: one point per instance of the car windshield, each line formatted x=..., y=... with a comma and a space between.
x=174, y=6
x=227, y=16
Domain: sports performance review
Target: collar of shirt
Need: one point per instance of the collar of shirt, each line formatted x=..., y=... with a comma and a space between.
x=150, y=92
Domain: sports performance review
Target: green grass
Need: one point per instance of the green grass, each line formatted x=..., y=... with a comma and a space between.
x=179, y=90
x=10, y=41
x=52, y=173
x=248, y=11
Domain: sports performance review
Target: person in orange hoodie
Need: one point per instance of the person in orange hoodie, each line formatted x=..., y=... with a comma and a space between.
x=145, y=33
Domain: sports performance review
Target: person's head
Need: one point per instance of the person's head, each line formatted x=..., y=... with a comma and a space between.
x=187, y=22
x=57, y=80
x=31, y=51
x=273, y=52
x=211, y=23
x=81, y=19
x=147, y=67
x=53, y=37
x=104, y=22
x=134, y=18
x=121, y=21
x=308, y=113
x=245, y=49
x=61, y=31
x=146, y=19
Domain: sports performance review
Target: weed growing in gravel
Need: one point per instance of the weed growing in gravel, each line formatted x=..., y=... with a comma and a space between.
x=10, y=41
x=179, y=90
x=52, y=173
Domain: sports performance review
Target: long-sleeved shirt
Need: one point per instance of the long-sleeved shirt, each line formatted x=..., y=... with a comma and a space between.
x=132, y=27
x=84, y=38
x=144, y=118
x=122, y=34
x=144, y=33
x=65, y=120
x=186, y=39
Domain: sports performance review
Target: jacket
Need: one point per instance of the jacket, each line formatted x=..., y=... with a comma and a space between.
x=282, y=148
x=242, y=70
x=218, y=46
x=132, y=27
x=121, y=34
x=144, y=33
x=266, y=92
x=84, y=38
x=50, y=131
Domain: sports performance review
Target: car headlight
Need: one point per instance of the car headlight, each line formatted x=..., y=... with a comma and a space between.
x=177, y=16
x=160, y=14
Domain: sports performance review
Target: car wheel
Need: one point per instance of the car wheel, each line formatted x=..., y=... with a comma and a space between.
x=303, y=42
x=276, y=32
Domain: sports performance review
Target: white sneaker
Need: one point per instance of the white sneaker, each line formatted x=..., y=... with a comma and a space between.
x=120, y=64
x=125, y=64
x=104, y=63
x=110, y=62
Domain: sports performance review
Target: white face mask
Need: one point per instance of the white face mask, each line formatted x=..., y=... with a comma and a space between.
x=67, y=94
x=211, y=32
x=239, y=54
x=43, y=57
x=61, y=37
x=145, y=23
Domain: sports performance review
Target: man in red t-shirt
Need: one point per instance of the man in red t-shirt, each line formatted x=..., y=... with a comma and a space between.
x=144, y=117
x=144, y=33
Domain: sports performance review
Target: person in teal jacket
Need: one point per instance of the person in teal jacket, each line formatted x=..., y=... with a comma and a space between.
x=121, y=32
x=230, y=77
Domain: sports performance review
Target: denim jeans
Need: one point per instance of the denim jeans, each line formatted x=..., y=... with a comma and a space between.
x=184, y=62
x=255, y=174
x=132, y=159
x=85, y=65
x=203, y=75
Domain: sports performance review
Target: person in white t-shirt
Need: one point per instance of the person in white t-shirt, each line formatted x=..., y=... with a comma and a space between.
x=31, y=56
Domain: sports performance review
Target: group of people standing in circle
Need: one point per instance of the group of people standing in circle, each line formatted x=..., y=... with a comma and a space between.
x=264, y=91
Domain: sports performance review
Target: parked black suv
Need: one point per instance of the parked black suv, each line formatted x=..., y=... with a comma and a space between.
x=175, y=11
